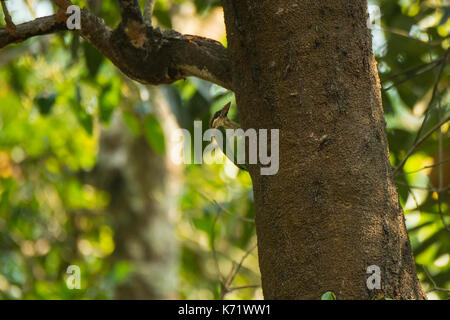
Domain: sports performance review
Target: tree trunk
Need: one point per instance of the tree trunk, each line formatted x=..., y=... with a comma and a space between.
x=332, y=210
x=143, y=187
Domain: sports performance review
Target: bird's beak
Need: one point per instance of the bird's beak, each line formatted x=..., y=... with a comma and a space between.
x=225, y=109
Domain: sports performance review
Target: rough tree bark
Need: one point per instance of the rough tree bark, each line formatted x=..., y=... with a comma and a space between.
x=332, y=210
x=306, y=68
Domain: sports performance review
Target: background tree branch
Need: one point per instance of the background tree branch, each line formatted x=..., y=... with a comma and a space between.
x=148, y=11
x=9, y=23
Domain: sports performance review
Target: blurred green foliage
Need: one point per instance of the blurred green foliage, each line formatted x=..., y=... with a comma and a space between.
x=58, y=92
x=415, y=34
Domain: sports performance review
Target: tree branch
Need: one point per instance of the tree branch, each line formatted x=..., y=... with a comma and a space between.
x=147, y=55
x=148, y=11
x=8, y=20
x=130, y=11
x=63, y=4
x=39, y=26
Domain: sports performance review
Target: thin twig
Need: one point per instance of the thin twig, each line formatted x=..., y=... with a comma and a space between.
x=429, y=67
x=435, y=287
x=418, y=143
x=447, y=188
x=427, y=167
x=10, y=26
x=225, y=282
x=148, y=11
x=225, y=210
x=435, y=88
x=247, y=253
x=251, y=286
x=233, y=273
x=232, y=215
x=213, y=247
x=412, y=187
x=441, y=174
x=441, y=214
x=412, y=69
x=413, y=196
x=405, y=34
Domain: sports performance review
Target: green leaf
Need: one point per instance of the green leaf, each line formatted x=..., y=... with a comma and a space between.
x=74, y=47
x=85, y=119
x=45, y=102
x=328, y=296
x=93, y=58
x=108, y=100
x=202, y=5
x=154, y=134
x=132, y=123
x=121, y=271
x=18, y=76
x=161, y=12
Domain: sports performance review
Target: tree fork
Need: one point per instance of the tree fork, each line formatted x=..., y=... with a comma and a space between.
x=307, y=68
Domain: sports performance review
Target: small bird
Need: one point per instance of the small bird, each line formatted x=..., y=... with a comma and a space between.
x=220, y=119
x=221, y=122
